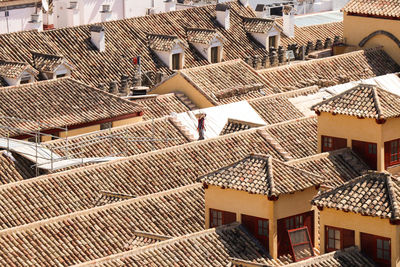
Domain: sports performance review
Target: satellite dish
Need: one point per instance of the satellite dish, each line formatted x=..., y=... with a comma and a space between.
x=45, y=5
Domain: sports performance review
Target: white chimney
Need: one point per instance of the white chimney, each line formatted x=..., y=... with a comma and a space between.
x=97, y=37
x=245, y=3
x=169, y=5
x=223, y=15
x=288, y=21
x=105, y=13
x=73, y=14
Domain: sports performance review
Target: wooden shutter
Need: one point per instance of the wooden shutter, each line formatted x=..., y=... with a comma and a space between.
x=339, y=143
x=309, y=222
x=228, y=217
x=283, y=238
x=347, y=237
x=387, y=154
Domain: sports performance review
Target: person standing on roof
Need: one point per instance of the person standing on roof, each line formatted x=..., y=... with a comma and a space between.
x=201, y=125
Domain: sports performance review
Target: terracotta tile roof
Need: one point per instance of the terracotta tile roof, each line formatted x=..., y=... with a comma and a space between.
x=261, y=174
x=102, y=231
x=47, y=62
x=277, y=108
x=372, y=194
x=258, y=25
x=337, y=166
x=233, y=126
x=161, y=105
x=349, y=257
x=363, y=101
x=125, y=140
x=12, y=69
x=379, y=8
x=227, y=82
x=202, y=36
x=162, y=42
x=138, y=175
x=330, y=71
x=211, y=247
x=62, y=102
x=296, y=138
x=73, y=43
x=14, y=168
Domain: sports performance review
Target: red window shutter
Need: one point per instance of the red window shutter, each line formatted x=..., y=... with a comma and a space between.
x=309, y=222
x=387, y=154
x=347, y=238
x=339, y=143
x=228, y=217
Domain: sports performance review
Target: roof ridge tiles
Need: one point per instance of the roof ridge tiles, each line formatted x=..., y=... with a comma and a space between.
x=96, y=209
x=160, y=244
x=393, y=204
x=272, y=192
x=288, y=93
x=377, y=102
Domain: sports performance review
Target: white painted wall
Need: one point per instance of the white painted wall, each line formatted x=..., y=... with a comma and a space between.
x=18, y=20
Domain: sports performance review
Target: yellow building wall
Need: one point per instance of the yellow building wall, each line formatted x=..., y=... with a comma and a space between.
x=79, y=131
x=361, y=224
x=179, y=84
x=127, y=121
x=352, y=128
x=357, y=28
x=241, y=202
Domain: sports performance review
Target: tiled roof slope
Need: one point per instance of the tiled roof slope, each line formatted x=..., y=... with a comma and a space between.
x=298, y=138
x=312, y=33
x=211, y=247
x=14, y=168
x=330, y=71
x=47, y=62
x=258, y=25
x=227, y=82
x=380, y=8
x=277, y=108
x=233, y=126
x=349, y=257
x=125, y=140
x=162, y=42
x=99, y=232
x=339, y=166
x=61, y=102
x=161, y=105
x=65, y=192
x=363, y=101
x=261, y=174
x=117, y=58
x=202, y=36
x=372, y=194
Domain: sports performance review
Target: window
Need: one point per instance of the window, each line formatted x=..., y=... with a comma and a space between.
x=330, y=143
x=377, y=247
x=258, y=227
x=383, y=249
x=176, y=64
x=61, y=75
x=392, y=152
x=219, y=217
x=272, y=41
x=106, y=125
x=294, y=222
x=338, y=238
x=214, y=54
x=300, y=242
x=372, y=148
x=25, y=79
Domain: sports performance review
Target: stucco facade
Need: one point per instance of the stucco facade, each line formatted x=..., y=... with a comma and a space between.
x=356, y=28
x=256, y=205
x=361, y=224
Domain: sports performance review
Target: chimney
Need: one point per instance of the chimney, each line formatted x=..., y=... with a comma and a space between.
x=97, y=37
x=73, y=14
x=124, y=88
x=261, y=11
x=169, y=5
x=288, y=21
x=223, y=15
x=113, y=89
x=245, y=3
x=102, y=87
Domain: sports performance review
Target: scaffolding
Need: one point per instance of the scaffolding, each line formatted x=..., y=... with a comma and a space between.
x=67, y=153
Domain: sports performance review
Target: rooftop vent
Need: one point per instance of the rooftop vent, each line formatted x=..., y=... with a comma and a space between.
x=35, y=18
x=223, y=15
x=73, y=5
x=106, y=8
x=97, y=37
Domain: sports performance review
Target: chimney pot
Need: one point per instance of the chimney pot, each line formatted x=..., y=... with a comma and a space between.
x=328, y=43
x=113, y=87
x=101, y=86
x=288, y=21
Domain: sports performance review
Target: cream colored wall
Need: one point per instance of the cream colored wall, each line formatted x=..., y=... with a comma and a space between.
x=127, y=121
x=356, y=28
x=361, y=224
x=80, y=131
x=299, y=202
x=241, y=202
x=178, y=83
x=352, y=128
